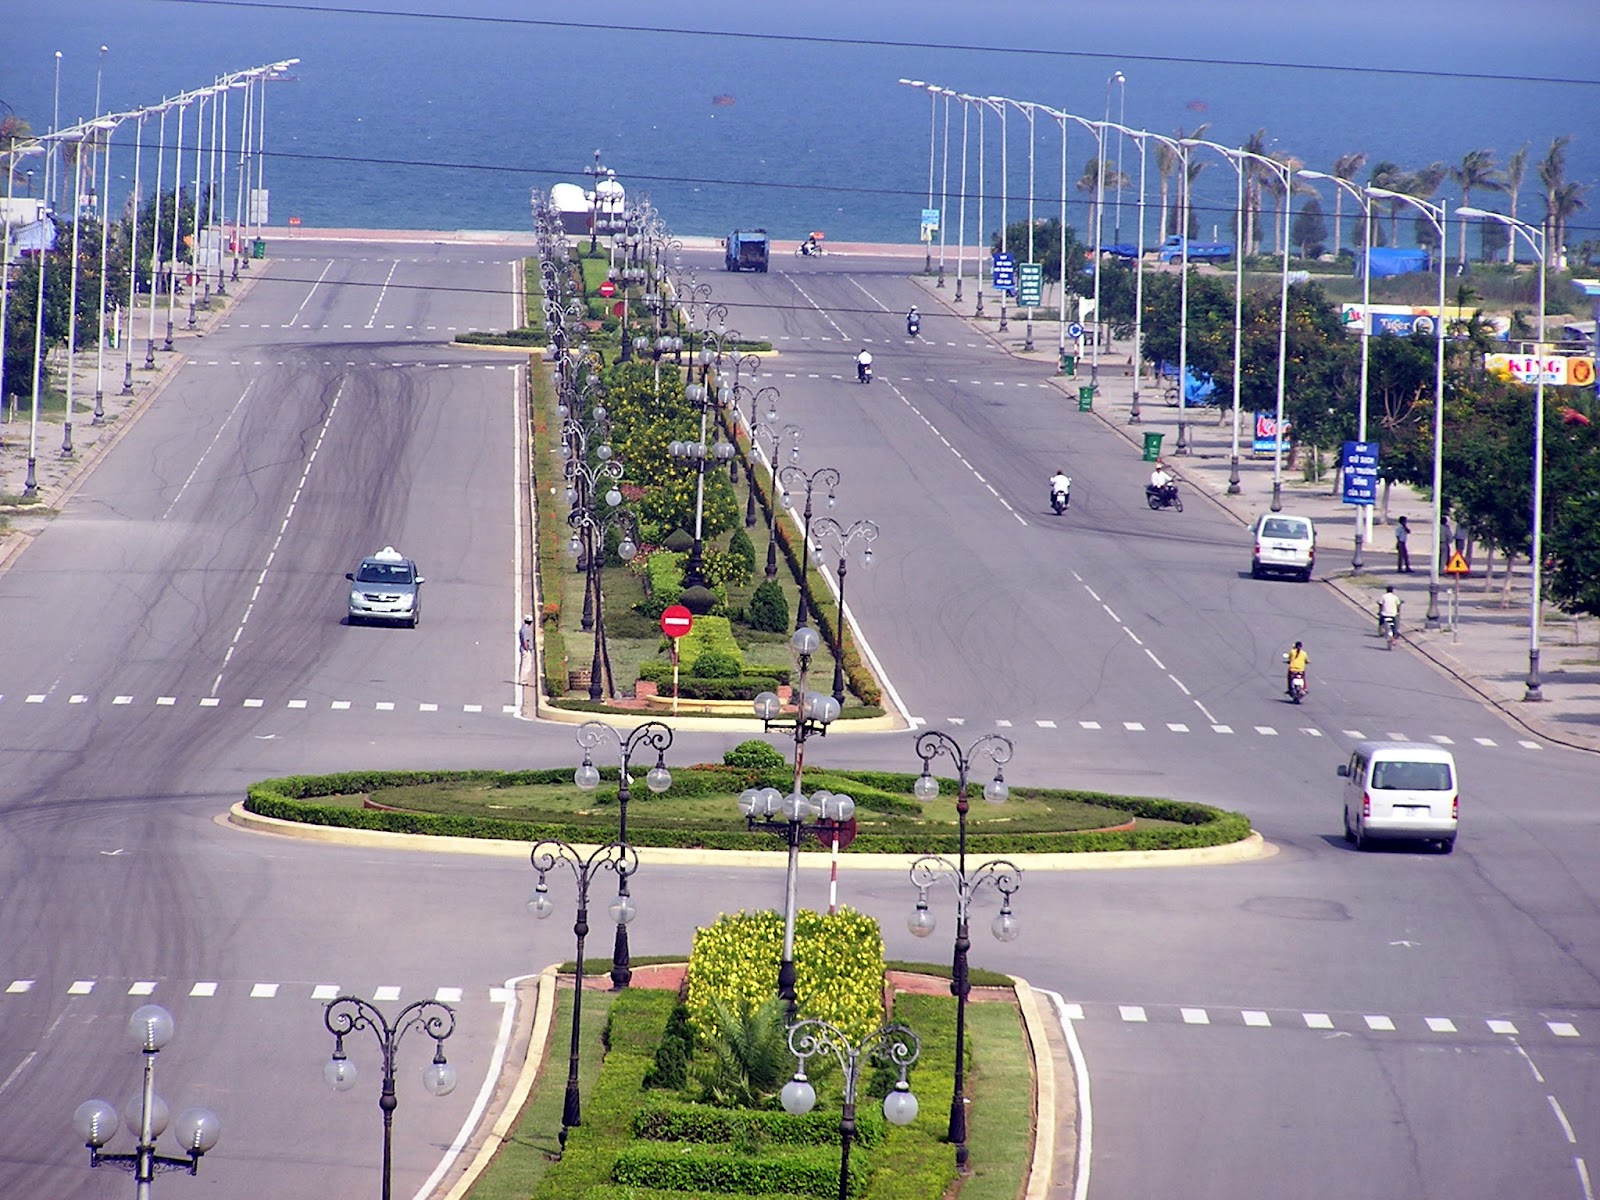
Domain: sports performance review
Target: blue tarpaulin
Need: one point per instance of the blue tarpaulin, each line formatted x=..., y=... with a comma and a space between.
x=1388, y=260
x=31, y=238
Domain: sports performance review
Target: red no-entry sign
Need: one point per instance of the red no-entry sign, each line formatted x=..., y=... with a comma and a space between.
x=608, y=289
x=676, y=620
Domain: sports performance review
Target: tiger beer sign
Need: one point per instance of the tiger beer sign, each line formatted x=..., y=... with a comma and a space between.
x=1558, y=370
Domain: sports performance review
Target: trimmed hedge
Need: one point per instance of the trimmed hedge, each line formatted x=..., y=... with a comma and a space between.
x=813, y=1171
x=655, y=670
x=661, y=1121
x=293, y=798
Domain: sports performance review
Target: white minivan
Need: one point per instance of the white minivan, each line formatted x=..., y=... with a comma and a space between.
x=1283, y=542
x=1395, y=790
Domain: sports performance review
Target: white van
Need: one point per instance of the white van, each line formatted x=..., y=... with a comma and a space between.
x=1400, y=790
x=1283, y=542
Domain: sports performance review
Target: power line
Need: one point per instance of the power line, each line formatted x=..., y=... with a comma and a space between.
x=818, y=39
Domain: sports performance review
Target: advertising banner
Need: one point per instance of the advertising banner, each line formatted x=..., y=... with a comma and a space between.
x=1560, y=370
x=1266, y=437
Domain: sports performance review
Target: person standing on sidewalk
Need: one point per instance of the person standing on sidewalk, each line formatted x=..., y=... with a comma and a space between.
x=1402, y=534
x=524, y=643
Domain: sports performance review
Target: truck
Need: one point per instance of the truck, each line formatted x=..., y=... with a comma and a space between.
x=747, y=250
x=1212, y=252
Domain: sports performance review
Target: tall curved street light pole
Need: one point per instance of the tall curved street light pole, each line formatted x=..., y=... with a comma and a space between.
x=346, y=1015
x=1028, y=108
x=652, y=735
x=796, y=476
x=1359, y=193
x=893, y=1044
x=769, y=809
x=999, y=874
x=792, y=434
x=1235, y=159
x=961, y=217
x=1439, y=219
x=1121, y=81
x=1538, y=241
x=842, y=536
x=546, y=856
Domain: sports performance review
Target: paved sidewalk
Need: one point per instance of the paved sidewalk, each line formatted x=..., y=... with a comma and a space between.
x=1488, y=647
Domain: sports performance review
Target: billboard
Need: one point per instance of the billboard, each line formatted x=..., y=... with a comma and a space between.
x=1560, y=370
x=1266, y=436
x=1402, y=320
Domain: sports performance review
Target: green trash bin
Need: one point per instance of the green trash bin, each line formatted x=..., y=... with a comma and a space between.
x=1069, y=364
x=258, y=249
x=1152, y=446
x=1086, y=397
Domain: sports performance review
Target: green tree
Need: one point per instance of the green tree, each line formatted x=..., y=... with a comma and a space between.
x=1310, y=228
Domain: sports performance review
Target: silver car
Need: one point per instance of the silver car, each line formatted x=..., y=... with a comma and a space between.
x=386, y=587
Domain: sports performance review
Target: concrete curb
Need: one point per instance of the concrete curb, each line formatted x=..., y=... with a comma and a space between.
x=1248, y=849
x=1041, y=1166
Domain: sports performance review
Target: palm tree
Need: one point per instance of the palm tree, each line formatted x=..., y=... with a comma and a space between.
x=1394, y=178
x=1516, y=168
x=1273, y=183
x=1344, y=167
x=1090, y=183
x=1476, y=172
x=1563, y=204
x=1553, y=175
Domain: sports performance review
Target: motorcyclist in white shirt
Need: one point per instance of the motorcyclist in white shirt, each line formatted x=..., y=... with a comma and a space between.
x=863, y=364
x=1060, y=485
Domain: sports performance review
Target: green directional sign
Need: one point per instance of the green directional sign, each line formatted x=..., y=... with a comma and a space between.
x=1030, y=284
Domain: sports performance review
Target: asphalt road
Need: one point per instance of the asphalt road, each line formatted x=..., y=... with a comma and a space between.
x=1321, y=1023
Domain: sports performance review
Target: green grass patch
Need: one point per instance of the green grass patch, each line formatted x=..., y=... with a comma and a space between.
x=699, y=810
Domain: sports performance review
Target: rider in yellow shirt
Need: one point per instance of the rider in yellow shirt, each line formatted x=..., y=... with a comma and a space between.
x=1298, y=660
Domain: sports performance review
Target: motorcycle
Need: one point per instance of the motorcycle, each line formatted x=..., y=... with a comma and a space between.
x=1060, y=498
x=864, y=372
x=808, y=250
x=1297, y=683
x=1163, y=497
x=913, y=326
x=1389, y=629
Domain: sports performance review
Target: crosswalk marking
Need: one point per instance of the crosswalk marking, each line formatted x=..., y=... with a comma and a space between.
x=1177, y=727
x=1266, y=731
x=1195, y=1016
x=340, y=705
x=1562, y=1028
x=1133, y=1012
x=1045, y=724
x=448, y=995
x=1484, y=741
x=1441, y=1025
x=1090, y=724
x=203, y=990
x=1256, y=1018
x=143, y=987
x=325, y=991
x=1317, y=1020
x=1222, y=729
x=386, y=994
x=1498, y=1026
x=1379, y=1023
x=263, y=991
x=209, y=701
x=1133, y=726
x=81, y=987
x=19, y=985
x=297, y=704
x=253, y=703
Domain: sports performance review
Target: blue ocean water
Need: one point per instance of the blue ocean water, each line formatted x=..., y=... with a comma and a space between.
x=441, y=122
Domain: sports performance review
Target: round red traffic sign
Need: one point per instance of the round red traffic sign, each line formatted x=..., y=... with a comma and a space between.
x=676, y=620
x=608, y=289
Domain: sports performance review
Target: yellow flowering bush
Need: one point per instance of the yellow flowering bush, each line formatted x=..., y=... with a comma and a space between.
x=838, y=967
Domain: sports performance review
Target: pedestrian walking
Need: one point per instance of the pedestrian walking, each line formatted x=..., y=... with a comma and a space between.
x=1402, y=534
x=1444, y=537
x=525, y=637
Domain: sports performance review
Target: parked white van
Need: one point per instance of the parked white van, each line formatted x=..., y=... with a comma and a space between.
x=1396, y=790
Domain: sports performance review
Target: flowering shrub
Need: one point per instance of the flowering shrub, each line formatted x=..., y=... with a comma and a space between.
x=838, y=967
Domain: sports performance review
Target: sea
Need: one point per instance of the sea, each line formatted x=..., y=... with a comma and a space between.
x=793, y=117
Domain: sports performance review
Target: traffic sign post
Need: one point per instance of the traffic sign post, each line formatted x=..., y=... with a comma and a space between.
x=1456, y=568
x=1003, y=273
x=1030, y=277
x=676, y=620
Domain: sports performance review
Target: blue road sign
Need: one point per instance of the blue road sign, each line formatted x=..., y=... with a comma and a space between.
x=1005, y=273
x=1360, y=472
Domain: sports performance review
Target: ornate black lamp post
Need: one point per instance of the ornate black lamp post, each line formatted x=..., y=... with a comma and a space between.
x=842, y=536
x=658, y=737
x=1003, y=876
x=767, y=808
x=893, y=1044
x=197, y=1129
x=590, y=527
x=547, y=855
x=792, y=435
x=793, y=476
x=347, y=1014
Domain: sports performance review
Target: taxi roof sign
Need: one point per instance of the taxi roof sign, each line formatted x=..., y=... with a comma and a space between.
x=1457, y=565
